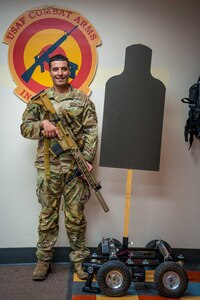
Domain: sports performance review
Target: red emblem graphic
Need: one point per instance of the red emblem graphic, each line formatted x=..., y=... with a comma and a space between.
x=42, y=32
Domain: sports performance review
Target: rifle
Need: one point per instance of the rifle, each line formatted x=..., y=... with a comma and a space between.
x=66, y=142
x=44, y=57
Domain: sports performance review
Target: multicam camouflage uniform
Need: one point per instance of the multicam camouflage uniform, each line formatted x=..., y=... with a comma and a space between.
x=77, y=112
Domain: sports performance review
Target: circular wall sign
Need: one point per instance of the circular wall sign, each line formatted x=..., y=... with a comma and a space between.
x=42, y=32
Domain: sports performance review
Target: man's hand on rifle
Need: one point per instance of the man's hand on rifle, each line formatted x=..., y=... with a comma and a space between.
x=48, y=129
x=90, y=168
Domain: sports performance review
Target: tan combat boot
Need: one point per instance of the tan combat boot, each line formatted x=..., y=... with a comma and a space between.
x=41, y=270
x=79, y=271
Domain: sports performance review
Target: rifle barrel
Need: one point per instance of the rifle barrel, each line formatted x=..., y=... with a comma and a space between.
x=59, y=41
x=101, y=201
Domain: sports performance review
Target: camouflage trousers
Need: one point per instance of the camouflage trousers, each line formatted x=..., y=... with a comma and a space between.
x=75, y=195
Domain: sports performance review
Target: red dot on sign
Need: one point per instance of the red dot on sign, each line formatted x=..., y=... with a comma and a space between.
x=59, y=50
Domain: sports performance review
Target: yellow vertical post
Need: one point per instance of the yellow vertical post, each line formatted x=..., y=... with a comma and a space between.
x=127, y=206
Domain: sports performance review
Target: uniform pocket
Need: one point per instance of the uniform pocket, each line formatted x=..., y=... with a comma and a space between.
x=42, y=190
x=85, y=194
x=40, y=181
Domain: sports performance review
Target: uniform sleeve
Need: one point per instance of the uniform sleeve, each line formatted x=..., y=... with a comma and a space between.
x=90, y=128
x=31, y=118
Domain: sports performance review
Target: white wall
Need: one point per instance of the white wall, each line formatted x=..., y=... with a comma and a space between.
x=164, y=204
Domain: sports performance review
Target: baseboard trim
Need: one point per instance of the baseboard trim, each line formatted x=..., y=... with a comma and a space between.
x=61, y=255
x=27, y=255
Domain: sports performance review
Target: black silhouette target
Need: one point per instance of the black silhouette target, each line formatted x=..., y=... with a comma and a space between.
x=133, y=115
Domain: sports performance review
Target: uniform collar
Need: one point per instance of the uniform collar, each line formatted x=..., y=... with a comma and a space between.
x=59, y=97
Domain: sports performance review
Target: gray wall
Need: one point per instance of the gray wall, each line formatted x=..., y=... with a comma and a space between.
x=164, y=204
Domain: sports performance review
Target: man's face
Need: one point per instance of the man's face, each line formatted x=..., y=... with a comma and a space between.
x=60, y=72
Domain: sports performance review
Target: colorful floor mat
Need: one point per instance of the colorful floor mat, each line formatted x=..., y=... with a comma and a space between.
x=139, y=290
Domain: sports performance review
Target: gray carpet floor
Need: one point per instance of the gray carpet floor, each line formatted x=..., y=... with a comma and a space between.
x=16, y=283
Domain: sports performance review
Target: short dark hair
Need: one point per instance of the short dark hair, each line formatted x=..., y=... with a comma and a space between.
x=58, y=57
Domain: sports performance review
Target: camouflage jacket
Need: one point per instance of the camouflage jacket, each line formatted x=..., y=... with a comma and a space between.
x=77, y=113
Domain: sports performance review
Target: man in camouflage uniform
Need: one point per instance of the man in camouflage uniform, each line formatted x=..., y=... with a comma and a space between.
x=77, y=113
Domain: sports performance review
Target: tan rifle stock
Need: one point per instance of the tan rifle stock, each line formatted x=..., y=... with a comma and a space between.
x=66, y=142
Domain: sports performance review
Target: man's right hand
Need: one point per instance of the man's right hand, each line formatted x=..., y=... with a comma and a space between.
x=49, y=130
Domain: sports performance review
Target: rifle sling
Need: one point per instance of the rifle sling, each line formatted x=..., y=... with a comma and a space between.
x=47, y=142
